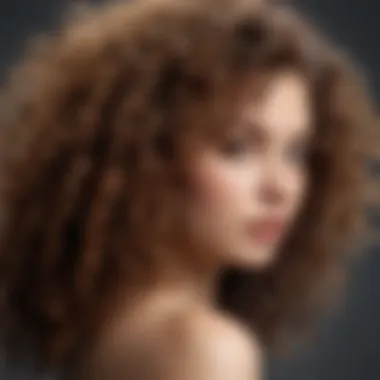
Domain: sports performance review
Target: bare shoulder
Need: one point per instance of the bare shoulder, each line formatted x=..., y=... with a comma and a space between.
x=189, y=344
x=219, y=347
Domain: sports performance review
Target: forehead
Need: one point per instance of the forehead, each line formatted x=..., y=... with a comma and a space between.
x=285, y=104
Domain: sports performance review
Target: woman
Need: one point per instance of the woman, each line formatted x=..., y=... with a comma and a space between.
x=179, y=182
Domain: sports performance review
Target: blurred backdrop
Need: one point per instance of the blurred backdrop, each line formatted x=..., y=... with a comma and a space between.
x=348, y=346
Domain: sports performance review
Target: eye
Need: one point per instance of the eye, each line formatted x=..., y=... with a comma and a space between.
x=236, y=147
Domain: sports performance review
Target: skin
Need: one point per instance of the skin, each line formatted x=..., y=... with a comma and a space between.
x=175, y=332
x=257, y=174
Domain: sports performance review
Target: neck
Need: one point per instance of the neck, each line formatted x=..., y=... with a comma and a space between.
x=178, y=272
x=197, y=281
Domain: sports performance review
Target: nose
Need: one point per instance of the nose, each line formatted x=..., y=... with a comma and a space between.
x=273, y=189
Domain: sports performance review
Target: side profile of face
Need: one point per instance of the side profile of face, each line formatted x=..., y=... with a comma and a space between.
x=246, y=194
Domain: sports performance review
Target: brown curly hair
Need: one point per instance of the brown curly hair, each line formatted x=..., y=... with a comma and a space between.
x=94, y=130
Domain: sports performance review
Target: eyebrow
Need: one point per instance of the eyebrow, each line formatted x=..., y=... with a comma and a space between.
x=255, y=128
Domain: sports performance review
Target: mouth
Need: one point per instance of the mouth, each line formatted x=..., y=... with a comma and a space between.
x=267, y=230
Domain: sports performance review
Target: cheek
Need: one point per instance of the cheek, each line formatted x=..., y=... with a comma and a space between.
x=217, y=202
x=219, y=188
x=213, y=187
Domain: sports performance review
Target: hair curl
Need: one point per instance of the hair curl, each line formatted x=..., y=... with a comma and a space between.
x=93, y=126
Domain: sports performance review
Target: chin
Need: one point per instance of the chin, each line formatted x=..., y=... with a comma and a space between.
x=259, y=260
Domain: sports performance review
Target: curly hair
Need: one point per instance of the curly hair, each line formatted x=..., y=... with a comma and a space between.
x=95, y=124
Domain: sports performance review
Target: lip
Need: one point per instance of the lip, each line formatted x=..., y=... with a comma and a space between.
x=266, y=230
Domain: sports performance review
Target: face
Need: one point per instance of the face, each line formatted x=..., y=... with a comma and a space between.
x=247, y=192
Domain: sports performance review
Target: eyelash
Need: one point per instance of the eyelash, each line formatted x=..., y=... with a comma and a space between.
x=237, y=147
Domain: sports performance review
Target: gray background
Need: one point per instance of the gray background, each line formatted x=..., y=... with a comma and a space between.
x=348, y=347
